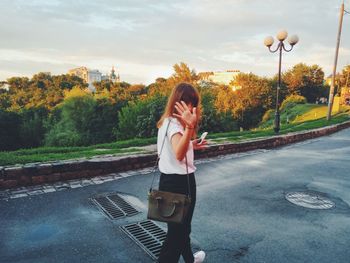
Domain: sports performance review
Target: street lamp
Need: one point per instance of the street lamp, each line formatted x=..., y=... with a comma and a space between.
x=292, y=40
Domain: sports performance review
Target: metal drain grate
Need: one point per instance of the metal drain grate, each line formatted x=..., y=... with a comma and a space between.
x=310, y=200
x=114, y=206
x=147, y=235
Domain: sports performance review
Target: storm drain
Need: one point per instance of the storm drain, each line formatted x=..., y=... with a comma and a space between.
x=147, y=235
x=114, y=206
x=312, y=200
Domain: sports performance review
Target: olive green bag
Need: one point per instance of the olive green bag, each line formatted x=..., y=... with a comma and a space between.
x=167, y=206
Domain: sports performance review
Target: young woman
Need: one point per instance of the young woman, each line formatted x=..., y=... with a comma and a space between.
x=177, y=128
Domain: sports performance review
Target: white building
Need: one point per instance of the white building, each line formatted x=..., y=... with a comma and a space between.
x=4, y=85
x=90, y=76
x=220, y=77
x=112, y=77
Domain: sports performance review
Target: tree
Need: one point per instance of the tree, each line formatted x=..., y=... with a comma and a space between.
x=252, y=100
x=224, y=98
x=139, y=118
x=32, y=128
x=73, y=128
x=5, y=100
x=306, y=81
x=18, y=91
x=344, y=78
x=184, y=74
x=214, y=120
x=10, y=138
x=42, y=90
x=82, y=120
x=76, y=91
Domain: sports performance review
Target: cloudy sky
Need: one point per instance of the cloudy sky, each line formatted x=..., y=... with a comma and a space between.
x=143, y=39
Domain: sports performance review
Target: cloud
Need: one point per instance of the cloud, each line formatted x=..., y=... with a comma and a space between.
x=144, y=37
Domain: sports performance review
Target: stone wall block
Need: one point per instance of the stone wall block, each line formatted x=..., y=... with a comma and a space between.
x=40, y=179
x=6, y=184
x=77, y=166
x=53, y=177
x=95, y=172
x=25, y=180
x=12, y=173
x=45, y=168
x=30, y=170
x=115, y=165
x=69, y=175
x=2, y=172
x=58, y=167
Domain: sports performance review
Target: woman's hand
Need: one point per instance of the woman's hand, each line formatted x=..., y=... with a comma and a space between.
x=197, y=146
x=185, y=114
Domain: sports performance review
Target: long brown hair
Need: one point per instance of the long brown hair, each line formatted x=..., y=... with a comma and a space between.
x=182, y=92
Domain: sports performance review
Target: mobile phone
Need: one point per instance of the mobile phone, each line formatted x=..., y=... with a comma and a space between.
x=201, y=139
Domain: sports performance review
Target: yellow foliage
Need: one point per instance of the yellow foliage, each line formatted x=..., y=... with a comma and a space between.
x=104, y=94
x=76, y=92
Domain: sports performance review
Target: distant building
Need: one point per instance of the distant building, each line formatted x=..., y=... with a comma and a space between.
x=220, y=77
x=112, y=76
x=328, y=80
x=4, y=85
x=93, y=75
x=90, y=76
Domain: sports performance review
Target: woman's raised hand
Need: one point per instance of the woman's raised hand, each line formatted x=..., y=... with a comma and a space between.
x=185, y=114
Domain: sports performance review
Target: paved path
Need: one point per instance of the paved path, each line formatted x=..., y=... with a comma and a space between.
x=242, y=214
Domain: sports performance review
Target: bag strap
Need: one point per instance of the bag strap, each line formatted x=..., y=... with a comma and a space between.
x=158, y=158
x=188, y=177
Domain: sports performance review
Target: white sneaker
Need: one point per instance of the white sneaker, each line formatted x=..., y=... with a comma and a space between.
x=199, y=256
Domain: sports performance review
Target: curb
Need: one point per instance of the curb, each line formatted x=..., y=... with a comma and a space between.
x=40, y=173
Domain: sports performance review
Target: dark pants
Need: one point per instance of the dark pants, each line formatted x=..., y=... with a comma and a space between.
x=178, y=241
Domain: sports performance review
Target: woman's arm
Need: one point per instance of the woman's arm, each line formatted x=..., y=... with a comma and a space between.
x=179, y=141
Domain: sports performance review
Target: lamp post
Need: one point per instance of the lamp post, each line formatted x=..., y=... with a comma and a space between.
x=281, y=36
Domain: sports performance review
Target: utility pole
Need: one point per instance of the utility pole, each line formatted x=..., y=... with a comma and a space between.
x=331, y=91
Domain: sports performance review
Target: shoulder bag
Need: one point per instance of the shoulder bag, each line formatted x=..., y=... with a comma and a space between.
x=167, y=206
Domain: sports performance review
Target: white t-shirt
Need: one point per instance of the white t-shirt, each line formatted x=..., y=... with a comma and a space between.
x=168, y=163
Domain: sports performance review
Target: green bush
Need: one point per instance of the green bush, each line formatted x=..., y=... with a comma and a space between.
x=291, y=101
x=103, y=121
x=139, y=119
x=268, y=115
x=61, y=138
x=75, y=121
x=82, y=120
x=10, y=138
x=212, y=120
x=33, y=129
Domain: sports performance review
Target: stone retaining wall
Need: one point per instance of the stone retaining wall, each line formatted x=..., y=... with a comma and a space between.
x=40, y=173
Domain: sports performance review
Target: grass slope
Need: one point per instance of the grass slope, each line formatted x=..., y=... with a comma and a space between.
x=301, y=117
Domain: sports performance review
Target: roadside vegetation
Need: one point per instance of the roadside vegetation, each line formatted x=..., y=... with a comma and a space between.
x=48, y=118
x=301, y=122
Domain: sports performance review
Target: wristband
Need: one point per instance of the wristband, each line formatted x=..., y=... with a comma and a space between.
x=189, y=127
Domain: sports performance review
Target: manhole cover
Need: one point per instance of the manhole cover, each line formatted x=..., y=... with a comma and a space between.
x=114, y=206
x=147, y=235
x=310, y=200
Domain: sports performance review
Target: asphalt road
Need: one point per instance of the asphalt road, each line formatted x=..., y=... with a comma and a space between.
x=242, y=214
